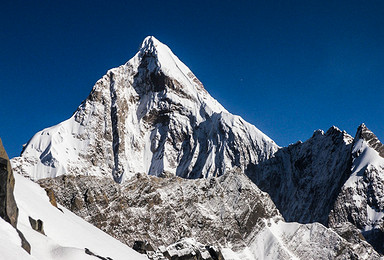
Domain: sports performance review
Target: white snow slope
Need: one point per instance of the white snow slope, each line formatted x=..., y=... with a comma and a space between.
x=66, y=237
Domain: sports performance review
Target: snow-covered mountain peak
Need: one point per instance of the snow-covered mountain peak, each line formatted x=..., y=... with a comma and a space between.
x=149, y=43
x=363, y=133
x=335, y=132
x=158, y=60
x=150, y=115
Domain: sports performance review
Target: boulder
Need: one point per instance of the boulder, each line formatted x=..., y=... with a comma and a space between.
x=37, y=225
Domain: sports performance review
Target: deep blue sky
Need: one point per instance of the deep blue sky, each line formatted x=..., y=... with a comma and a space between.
x=288, y=67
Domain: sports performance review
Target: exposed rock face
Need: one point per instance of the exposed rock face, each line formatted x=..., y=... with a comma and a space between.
x=142, y=247
x=51, y=196
x=24, y=242
x=361, y=200
x=152, y=116
x=304, y=179
x=8, y=207
x=162, y=210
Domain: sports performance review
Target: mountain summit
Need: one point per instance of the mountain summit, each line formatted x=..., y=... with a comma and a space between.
x=150, y=115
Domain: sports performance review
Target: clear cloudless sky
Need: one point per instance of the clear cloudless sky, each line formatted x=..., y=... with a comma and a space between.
x=288, y=67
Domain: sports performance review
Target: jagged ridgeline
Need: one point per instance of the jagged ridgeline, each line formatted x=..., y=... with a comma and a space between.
x=227, y=192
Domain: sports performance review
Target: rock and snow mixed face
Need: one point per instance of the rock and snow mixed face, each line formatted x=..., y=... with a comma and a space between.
x=361, y=199
x=150, y=115
x=229, y=213
x=221, y=211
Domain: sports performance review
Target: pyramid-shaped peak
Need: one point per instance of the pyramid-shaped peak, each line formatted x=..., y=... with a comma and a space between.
x=156, y=56
x=150, y=43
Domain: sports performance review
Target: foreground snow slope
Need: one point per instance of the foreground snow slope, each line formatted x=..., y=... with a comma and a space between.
x=150, y=115
x=10, y=243
x=67, y=236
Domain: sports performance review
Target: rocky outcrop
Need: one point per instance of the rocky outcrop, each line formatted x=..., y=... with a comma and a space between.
x=8, y=207
x=37, y=225
x=143, y=247
x=51, y=196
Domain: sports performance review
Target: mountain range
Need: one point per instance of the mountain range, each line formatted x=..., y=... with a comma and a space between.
x=150, y=158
